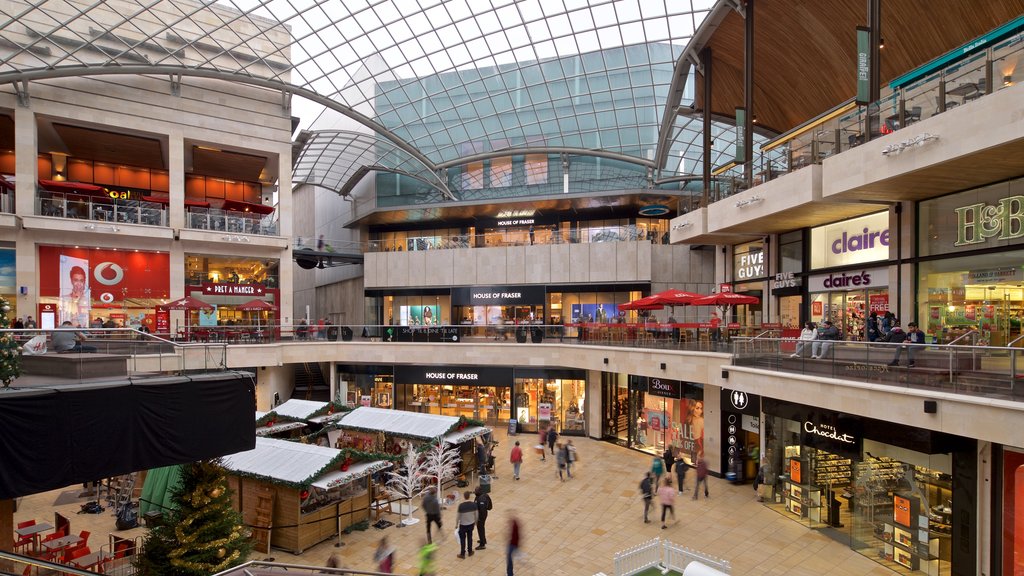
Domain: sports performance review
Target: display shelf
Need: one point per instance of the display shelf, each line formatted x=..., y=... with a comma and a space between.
x=803, y=500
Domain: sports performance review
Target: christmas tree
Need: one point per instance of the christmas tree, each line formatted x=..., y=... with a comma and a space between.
x=203, y=534
x=10, y=356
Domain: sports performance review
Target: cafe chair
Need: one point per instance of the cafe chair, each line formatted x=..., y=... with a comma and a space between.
x=46, y=553
x=912, y=115
x=84, y=535
x=24, y=541
x=73, y=554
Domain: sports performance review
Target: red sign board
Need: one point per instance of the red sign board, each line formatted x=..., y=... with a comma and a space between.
x=878, y=303
x=111, y=275
x=725, y=287
x=163, y=321
x=817, y=309
x=218, y=289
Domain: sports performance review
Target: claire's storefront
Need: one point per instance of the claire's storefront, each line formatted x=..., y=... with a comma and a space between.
x=903, y=496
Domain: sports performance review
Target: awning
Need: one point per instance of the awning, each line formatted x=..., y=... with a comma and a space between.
x=460, y=436
x=158, y=199
x=239, y=206
x=298, y=409
x=196, y=203
x=355, y=471
x=79, y=187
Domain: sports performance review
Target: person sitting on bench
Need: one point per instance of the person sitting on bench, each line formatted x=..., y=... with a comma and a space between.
x=70, y=341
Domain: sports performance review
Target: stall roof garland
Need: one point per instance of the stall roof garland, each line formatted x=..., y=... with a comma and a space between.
x=271, y=418
x=296, y=409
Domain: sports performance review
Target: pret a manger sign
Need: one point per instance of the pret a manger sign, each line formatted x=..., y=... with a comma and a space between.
x=977, y=223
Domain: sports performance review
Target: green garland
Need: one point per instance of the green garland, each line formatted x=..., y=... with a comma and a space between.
x=332, y=407
x=276, y=418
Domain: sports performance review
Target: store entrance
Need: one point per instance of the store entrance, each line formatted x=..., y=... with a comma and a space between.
x=848, y=310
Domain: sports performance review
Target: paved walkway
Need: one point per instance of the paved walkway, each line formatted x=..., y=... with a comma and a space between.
x=572, y=528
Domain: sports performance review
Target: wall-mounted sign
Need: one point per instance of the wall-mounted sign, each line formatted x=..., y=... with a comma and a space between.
x=664, y=388
x=977, y=223
x=875, y=278
x=516, y=220
x=741, y=126
x=995, y=275
x=422, y=334
x=855, y=241
x=454, y=375
x=497, y=295
x=748, y=261
x=218, y=289
x=828, y=431
x=863, y=66
x=785, y=280
x=741, y=402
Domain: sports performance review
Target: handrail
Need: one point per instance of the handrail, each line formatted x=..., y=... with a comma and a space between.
x=769, y=331
x=1014, y=341
x=242, y=569
x=962, y=336
x=37, y=563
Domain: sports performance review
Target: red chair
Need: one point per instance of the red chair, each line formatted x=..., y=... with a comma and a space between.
x=77, y=552
x=25, y=541
x=84, y=535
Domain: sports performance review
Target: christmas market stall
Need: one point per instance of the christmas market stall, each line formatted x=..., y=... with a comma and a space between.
x=302, y=494
x=387, y=431
x=295, y=418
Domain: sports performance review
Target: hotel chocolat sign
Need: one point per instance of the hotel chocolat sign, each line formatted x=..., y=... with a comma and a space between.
x=454, y=375
x=497, y=295
x=832, y=433
x=664, y=388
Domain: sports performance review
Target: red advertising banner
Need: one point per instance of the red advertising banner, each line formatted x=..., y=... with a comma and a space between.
x=878, y=303
x=725, y=287
x=218, y=289
x=817, y=309
x=110, y=274
x=163, y=321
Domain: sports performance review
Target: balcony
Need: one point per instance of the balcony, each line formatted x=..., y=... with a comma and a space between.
x=231, y=221
x=100, y=209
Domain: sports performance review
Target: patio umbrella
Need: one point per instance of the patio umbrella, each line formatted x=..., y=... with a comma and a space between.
x=674, y=297
x=645, y=303
x=724, y=299
x=187, y=303
x=256, y=306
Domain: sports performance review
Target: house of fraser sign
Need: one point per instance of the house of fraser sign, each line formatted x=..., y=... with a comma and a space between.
x=977, y=223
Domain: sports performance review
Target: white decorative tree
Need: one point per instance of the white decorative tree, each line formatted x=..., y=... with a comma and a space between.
x=406, y=482
x=442, y=462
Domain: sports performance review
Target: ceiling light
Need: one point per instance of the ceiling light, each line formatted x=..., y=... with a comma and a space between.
x=1008, y=80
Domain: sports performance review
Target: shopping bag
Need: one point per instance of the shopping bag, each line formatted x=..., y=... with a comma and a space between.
x=35, y=347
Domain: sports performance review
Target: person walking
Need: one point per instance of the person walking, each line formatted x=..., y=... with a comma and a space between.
x=384, y=556
x=426, y=559
x=516, y=458
x=513, y=544
x=570, y=457
x=483, y=506
x=657, y=468
x=552, y=438
x=669, y=457
x=667, y=499
x=681, y=468
x=560, y=457
x=542, y=439
x=432, y=508
x=702, y=476
x=481, y=457
x=467, y=519
x=647, y=492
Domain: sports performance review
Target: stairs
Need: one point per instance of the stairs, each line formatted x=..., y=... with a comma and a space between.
x=310, y=383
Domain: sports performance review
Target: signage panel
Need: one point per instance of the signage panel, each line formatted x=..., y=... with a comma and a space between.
x=832, y=432
x=853, y=280
x=498, y=295
x=741, y=402
x=422, y=334
x=863, y=66
x=664, y=388
x=219, y=289
x=454, y=375
x=741, y=124
x=856, y=241
x=987, y=217
x=748, y=261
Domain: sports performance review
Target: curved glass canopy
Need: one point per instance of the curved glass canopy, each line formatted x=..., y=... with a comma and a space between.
x=441, y=83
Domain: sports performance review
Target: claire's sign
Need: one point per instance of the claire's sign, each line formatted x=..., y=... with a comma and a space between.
x=855, y=241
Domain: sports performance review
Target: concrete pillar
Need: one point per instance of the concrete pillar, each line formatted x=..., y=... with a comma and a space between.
x=176, y=177
x=26, y=167
x=271, y=379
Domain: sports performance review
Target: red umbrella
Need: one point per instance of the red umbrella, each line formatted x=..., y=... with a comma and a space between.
x=187, y=303
x=674, y=297
x=645, y=303
x=256, y=306
x=724, y=299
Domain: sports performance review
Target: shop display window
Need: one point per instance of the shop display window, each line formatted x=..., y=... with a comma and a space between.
x=557, y=402
x=983, y=293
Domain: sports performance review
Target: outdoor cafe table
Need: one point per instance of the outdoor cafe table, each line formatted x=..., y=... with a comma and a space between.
x=62, y=542
x=89, y=560
x=34, y=531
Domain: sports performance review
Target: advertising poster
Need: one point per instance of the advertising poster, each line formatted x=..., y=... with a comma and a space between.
x=75, y=299
x=878, y=303
x=208, y=317
x=817, y=310
x=420, y=315
x=691, y=414
x=544, y=411
x=594, y=313
x=7, y=279
x=657, y=421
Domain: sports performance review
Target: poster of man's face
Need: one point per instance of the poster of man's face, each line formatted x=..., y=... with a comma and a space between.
x=75, y=301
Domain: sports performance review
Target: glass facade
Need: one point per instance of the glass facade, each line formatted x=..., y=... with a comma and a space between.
x=978, y=284
x=650, y=422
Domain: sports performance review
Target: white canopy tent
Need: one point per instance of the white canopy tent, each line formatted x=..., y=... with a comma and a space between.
x=282, y=460
x=398, y=422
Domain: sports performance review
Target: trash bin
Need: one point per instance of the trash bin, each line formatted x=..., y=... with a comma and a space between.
x=537, y=335
x=485, y=483
x=521, y=335
x=332, y=333
x=346, y=334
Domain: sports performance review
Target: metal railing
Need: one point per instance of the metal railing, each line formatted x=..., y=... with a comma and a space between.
x=663, y=554
x=541, y=235
x=11, y=563
x=960, y=369
x=262, y=567
x=99, y=209
x=231, y=221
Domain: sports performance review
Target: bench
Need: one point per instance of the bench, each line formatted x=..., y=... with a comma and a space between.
x=75, y=365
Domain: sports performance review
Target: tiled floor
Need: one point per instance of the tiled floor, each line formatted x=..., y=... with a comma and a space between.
x=573, y=528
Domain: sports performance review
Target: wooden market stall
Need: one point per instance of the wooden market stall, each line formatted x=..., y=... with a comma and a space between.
x=386, y=431
x=314, y=491
x=296, y=418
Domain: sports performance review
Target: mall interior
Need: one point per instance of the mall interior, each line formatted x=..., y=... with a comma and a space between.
x=484, y=190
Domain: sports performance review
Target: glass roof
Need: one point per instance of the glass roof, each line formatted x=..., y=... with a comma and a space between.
x=439, y=82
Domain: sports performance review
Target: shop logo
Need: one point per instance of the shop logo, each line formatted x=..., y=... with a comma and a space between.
x=108, y=273
x=979, y=222
x=739, y=399
x=843, y=281
x=827, y=431
x=866, y=240
x=750, y=265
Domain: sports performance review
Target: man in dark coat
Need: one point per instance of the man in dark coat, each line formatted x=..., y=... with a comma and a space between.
x=483, y=505
x=552, y=437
